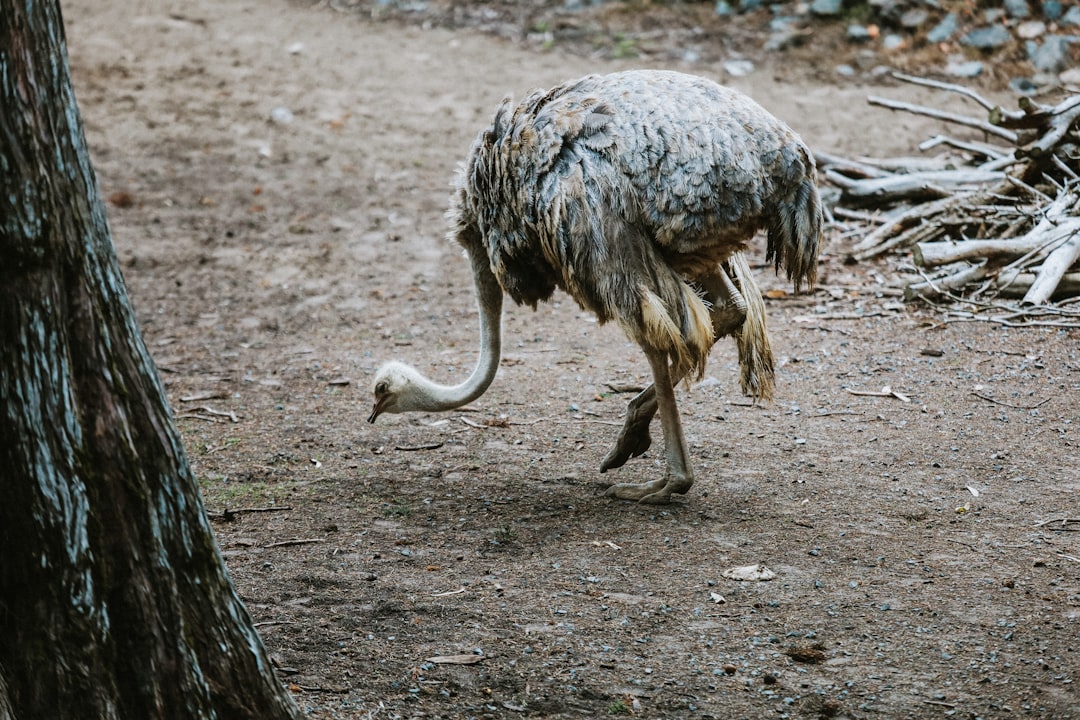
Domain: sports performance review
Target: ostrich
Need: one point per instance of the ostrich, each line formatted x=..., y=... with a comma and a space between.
x=636, y=193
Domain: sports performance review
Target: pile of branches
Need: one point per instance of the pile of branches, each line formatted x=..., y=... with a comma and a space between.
x=996, y=218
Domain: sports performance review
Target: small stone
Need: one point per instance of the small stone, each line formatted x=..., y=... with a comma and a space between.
x=858, y=33
x=1072, y=17
x=1024, y=86
x=723, y=8
x=737, y=68
x=1051, y=9
x=1070, y=77
x=1031, y=29
x=892, y=41
x=914, y=18
x=969, y=69
x=846, y=70
x=282, y=115
x=826, y=7
x=1052, y=55
x=781, y=39
x=987, y=38
x=1017, y=9
x=944, y=29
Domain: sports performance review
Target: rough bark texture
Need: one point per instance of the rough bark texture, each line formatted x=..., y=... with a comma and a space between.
x=114, y=601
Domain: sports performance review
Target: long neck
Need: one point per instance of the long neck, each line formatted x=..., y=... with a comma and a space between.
x=436, y=397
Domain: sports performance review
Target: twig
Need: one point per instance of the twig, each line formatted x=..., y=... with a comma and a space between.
x=219, y=413
x=969, y=546
x=229, y=513
x=950, y=87
x=314, y=688
x=1063, y=521
x=986, y=127
x=287, y=543
x=884, y=392
x=196, y=416
x=1010, y=405
x=426, y=446
x=939, y=703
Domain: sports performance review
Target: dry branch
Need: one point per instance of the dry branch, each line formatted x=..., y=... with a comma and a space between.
x=983, y=125
x=987, y=218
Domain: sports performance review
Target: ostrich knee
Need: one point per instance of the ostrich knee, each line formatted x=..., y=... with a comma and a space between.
x=728, y=305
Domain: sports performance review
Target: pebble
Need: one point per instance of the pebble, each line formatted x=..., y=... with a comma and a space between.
x=944, y=29
x=1017, y=9
x=1072, y=17
x=1024, y=86
x=892, y=41
x=826, y=7
x=282, y=115
x=858, y=33
x=914, y=18
x=1070, y=77
x=964, y=69
x=987, y=38
x=1052, y=55
x=737, y=68
x=1030, y=30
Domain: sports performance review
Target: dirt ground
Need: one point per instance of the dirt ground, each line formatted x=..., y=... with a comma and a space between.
x=925, y=548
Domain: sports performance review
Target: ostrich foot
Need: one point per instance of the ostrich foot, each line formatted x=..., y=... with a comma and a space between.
x=634, y=438
x=654, y=492
x=633, y=441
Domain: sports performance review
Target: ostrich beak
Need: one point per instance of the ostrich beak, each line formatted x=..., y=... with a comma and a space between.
x=380, y=405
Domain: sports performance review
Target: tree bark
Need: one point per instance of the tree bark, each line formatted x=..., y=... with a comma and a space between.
x=114, y=600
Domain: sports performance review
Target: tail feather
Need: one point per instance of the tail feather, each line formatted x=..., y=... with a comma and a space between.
x=795, y=234
x=757, y=368
x=680, y=326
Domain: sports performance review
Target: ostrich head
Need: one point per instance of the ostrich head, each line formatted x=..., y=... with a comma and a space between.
x=398, y=388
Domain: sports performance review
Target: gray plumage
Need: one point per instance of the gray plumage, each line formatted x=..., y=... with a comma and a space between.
x=637, y=193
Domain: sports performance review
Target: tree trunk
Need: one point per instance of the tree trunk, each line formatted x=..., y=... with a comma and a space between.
x=114, y=601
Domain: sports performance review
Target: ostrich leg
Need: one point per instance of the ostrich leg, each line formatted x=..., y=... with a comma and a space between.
x=679, y=477
x=728, y=313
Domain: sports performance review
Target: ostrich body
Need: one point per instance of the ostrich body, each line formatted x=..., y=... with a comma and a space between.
x=636, y=193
